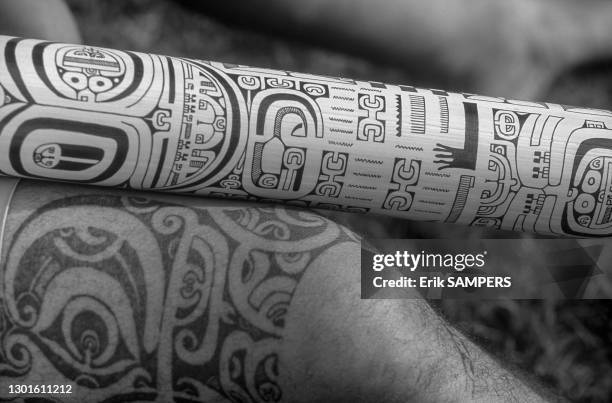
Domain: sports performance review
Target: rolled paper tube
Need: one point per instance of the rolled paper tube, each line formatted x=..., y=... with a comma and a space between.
x=126, y=119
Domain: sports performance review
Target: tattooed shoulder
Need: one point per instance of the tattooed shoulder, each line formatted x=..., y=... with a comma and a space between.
x=129, y=298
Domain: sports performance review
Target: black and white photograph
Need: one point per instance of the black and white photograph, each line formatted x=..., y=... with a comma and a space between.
x=305, y=201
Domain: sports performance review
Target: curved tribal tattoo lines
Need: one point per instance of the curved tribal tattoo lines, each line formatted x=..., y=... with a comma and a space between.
x=142, y=121
x=129, y=299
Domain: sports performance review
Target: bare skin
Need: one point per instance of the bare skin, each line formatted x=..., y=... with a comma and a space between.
x=129, y=294
x=500, y=48
x=49, y=19
x=512, y=49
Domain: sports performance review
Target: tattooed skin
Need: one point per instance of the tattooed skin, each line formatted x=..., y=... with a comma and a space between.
x=133, y=120
x=133, y=299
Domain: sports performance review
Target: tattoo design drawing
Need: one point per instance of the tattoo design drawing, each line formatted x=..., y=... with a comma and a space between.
x=149, y=301
x=141, y=121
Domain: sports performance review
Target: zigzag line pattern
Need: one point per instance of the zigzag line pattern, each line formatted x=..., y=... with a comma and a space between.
x=409, y=147
x=436, y=189
x=437, y=174
x=343, y=89
x=336, y=130
x=368, y=161
x=340, y=143
x=344, y=98
x=367, y=175
x=334, y=119
x=339, y=108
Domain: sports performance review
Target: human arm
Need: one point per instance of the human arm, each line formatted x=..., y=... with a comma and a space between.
x=149, y=297
x=48, y=19
x=513, y=49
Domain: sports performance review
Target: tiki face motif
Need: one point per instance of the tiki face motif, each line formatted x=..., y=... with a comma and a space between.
x=48, y=155
x=591, y=209
x=90, y=72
